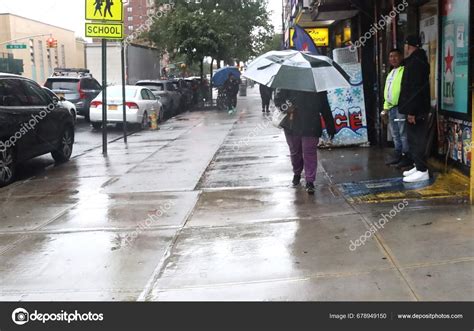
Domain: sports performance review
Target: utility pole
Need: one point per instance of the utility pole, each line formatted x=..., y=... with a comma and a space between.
x=283, y=24
x=104, y=96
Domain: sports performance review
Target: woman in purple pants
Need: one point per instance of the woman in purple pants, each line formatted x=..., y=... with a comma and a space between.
x=303, y=128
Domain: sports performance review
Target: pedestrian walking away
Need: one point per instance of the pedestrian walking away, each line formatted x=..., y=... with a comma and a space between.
x=231, y=87
x=415, y=102
x=266, y=95
x=397, y=121
x=303, y=128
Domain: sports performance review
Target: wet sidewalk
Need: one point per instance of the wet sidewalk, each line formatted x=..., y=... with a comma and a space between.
x=203, y=210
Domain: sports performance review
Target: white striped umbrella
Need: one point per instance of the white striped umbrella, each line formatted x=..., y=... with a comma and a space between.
x=295, y=70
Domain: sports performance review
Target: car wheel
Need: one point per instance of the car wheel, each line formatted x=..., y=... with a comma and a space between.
x=7, y=167
x=96, y=125
x=64, y=151
x=172, y=111
x=145, y=122
x=74, y=115
x=161, y=115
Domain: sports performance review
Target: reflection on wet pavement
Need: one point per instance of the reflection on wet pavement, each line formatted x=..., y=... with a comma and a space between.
x=202, y=210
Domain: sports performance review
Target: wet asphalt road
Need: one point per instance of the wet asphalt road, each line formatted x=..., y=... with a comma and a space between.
x=203, y=210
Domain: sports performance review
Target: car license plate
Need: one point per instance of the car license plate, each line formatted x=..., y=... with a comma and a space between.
x=113, y=107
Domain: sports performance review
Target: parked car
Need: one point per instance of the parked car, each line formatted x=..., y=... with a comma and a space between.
x=75, y=85
x=184, y=88
x=140, y=103
x=63, y=103
x=31, y=124
x=169, y=96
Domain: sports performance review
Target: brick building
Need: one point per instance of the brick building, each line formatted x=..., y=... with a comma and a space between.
x=136, y=13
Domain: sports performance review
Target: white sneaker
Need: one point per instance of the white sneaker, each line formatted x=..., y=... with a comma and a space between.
x=418, y=176
x=409, y=172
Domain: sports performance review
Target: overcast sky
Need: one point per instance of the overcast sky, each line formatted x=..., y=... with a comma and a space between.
x=69, y=14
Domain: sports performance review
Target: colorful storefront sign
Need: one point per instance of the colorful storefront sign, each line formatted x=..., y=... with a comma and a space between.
x=320, y=36
x=455, y=56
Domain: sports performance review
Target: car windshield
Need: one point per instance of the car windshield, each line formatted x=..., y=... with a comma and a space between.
x=155, y=87
x=115, y=92
x=62, y=84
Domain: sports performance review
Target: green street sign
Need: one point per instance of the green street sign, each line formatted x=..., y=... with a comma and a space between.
x=16, y=46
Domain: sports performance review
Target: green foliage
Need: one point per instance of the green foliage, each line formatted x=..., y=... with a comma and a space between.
x=221, y=29
x=273, y=44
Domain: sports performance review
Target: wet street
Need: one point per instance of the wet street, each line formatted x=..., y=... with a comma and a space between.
x=203, y=210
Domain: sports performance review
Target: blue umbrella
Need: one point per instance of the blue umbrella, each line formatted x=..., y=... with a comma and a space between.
x=221, y=75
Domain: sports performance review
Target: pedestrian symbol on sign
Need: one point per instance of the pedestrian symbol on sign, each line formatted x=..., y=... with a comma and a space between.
x=104, y=10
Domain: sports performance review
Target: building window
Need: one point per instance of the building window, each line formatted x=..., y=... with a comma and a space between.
x=130, y=18
x=63, y=57
x=32, y=52
x=50, y=62
x=130, y=27
x=130, y=9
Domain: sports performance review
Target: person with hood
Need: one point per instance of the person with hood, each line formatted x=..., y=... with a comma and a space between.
x=415, y=103
x=266, y=95
x=303, y=128
x=231, y=88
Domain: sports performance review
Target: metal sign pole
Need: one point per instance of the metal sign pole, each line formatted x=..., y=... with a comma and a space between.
x=104, y=97
x=123, y=95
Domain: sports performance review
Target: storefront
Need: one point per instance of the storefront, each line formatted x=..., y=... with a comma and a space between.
x=445, y=28
x=455, y=120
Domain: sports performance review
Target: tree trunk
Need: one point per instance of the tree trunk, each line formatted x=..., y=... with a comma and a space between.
x=201, y=67
x=212, y=73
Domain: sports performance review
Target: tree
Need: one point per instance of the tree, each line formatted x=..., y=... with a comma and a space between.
x=273, y=44
x=223, y=30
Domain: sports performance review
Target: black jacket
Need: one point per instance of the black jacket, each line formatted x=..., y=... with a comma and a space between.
x=309, y=106
x=232, y=86
x=265, y=91
x=415, y=92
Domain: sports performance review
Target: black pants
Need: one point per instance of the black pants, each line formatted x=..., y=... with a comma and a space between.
x=417, y=140
x=266, y=102
x=232, y=101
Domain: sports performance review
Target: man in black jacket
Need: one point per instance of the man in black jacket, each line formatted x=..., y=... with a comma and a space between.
x=303, y=128
x=415, y=102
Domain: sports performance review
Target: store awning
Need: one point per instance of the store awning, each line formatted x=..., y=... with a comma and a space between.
x=324, y=10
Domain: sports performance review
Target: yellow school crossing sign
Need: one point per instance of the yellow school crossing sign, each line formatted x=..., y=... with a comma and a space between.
x=106, y=17
x=104, y=10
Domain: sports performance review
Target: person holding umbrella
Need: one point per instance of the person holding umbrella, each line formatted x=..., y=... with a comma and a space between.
x=303, y=128
x=231, y=88
x=303, y=80
x=266, y=95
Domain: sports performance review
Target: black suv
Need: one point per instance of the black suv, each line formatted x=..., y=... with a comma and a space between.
x=31, y=124
x=75, y=85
